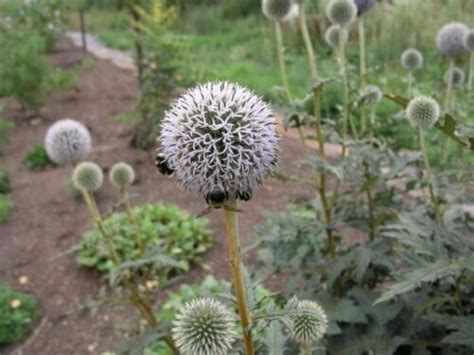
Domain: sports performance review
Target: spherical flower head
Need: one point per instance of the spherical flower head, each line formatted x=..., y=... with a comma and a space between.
x=454, y=75
x=334, y=34
x=423, y=111
x=219, y=137
x=363, y=6
x=67, y=142
x=450, y=39
x=469, y=40
x=204, y=327
x=411, y=59
x=122, y=175
x=310, y=324
x=87, y=176
x=372, y=94
x=341, y=12
x=276, y=10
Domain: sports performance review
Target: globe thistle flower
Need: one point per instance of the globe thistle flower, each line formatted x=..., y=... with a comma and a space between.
x=341, y=12
x=121, y=175
x=334, y=34
x=204, y=327
x=276, y=10
x=363, y=6
x=469, y=40
x=372, y=94
x=450, y=39
x=310, y=324
x=88, y=176
x=411, y=59
x=454, y=75
x=67, y=142
x=423, y=111
x=218, y=137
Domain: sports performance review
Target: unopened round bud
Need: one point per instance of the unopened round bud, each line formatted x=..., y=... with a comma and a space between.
x=450, y=39
x=122, y=175
x=454, y=75
x=276, y=10
x=341, y=12
x=310, y=324
x=88, y=176
x=423, y=111
x=334, y=34
x=411, y=59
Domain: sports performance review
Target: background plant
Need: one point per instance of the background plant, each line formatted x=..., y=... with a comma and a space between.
x=37, y=158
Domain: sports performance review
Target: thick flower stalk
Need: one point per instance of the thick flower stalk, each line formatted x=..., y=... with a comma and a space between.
x=219, y=141
x=67, y=142
x=411, y=59
x=371, y=96
x=309, y=325
x=204, y=327
x=469, y=45
x=423, y=112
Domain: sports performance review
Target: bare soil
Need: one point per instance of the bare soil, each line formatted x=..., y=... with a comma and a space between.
x=46, y=220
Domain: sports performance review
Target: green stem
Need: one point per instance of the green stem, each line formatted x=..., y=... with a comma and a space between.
x=345, y=83
x=132, y=219
x=319, y=132
x=370, y=202
x=307, y=349
x=429, y=176
x=362, y=60
x=139, y=302
x=281, y=59
x=235, y=259
x=470, y=82
x=410, y=84
x=447, y=109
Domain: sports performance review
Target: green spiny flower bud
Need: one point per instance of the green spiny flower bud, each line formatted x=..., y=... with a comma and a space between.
x=412, y=59
x=310, y=324
x=372, y=94
x=88, y=176
x=204, y=327
x=334, y=34
x=276, y=10
x=341, y=12
x=423, y=111
x=454, y=75
x=122, y=175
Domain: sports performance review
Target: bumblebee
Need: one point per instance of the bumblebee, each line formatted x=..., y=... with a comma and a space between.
x=218, y=199
x=162, y=165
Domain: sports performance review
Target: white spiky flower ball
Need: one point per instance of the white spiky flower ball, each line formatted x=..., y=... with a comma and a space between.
x=423, y=111
x=219, y=136
x=334, y=34
x=372, y=94
x=204, y=327
x=411, y=59
x=341, y=12
x=469, y=40
x=276, y=10
x=88, y=176
x=310, y=324
x=67, y=142
x=121, y=175
x=450, y=39
x=454, y=75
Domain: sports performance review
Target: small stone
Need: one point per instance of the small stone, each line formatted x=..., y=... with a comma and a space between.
x=15, y=304
x=23, y=280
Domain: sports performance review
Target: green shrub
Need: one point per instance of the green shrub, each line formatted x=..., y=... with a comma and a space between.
x=37, y=158
x=5, y=208
x=166, y=227
x=24, y=69
x=4, y=182
x=18, y=315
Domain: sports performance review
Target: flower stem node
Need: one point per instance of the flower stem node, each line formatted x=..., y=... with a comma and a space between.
x=88, y=176
x=204, y=327
x=67, y=142
x=423, y=112
x=218, y=137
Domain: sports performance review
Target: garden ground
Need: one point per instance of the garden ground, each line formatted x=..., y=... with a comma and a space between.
x=46, y=220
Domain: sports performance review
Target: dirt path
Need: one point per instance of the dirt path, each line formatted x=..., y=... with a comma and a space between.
x=46, y=220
